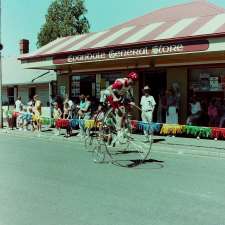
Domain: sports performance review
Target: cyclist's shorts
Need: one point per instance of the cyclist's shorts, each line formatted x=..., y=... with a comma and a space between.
x=115, y=105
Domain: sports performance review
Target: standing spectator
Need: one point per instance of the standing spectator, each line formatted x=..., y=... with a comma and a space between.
x=18, y=111
x=147, y=105
x=37, y=112
x=10, y=119
x=66, y=111
x=85, y=113
x=195, y=108
x=172, y=108
x=30, y=103
x=212, y=113
x=57, y=114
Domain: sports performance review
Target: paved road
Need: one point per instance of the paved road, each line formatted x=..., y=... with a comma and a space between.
x=54, y=182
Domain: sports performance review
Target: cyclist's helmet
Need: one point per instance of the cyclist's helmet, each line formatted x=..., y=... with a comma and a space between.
x=133, y=76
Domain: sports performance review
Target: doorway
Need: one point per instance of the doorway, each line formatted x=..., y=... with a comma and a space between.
x=156, y=80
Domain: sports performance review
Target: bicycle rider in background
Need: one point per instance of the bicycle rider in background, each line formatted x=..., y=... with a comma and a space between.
x=119, y=96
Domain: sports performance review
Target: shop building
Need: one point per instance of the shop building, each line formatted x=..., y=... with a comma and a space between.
x=25, y=83
x=182, y=45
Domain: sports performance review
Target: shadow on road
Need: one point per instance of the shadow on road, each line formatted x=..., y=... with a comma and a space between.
x=156, y=140
x=139, y=164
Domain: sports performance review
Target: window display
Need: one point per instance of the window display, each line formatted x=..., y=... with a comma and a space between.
x=207, y=80
x=207, y=85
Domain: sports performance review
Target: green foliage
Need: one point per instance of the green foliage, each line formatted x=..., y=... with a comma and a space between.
x=64, y=18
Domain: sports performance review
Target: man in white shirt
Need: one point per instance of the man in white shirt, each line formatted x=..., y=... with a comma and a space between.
x=147, y=105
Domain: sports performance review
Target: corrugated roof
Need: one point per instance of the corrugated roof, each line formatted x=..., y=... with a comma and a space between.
x=14, y=74
x=186, y=20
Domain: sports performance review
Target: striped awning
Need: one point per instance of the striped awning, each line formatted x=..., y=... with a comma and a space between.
x=165, y=24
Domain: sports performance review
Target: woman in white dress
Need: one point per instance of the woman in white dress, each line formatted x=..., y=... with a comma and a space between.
x=172, y=108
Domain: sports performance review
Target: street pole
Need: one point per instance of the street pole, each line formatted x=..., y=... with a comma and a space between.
x=1, y=111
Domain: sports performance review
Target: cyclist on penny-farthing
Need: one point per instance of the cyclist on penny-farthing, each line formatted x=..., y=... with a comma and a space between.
x=119, y=96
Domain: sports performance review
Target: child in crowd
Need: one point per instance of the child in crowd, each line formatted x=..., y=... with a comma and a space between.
x=57, y=114
x=67, y=115
x=66, y=110
x=19, y=119
x=99, y=114
x=27, y=118
x=10, y=119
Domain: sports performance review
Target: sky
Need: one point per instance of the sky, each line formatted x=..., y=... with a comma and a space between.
x=24, y=18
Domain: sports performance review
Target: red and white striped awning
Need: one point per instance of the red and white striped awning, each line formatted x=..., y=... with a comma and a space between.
x=195, y=19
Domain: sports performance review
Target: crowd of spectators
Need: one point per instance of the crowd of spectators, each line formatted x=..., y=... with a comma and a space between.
x=204, y=112
x=207, y=112
x=26, y=116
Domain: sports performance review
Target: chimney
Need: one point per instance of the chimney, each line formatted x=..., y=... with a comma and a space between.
x=24, y=46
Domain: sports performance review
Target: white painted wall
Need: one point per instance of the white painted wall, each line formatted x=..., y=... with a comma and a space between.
x=23, y=91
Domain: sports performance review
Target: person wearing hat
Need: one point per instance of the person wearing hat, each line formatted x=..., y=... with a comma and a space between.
x=147, y=105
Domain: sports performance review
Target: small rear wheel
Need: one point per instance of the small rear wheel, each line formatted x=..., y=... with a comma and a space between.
x=98, y=153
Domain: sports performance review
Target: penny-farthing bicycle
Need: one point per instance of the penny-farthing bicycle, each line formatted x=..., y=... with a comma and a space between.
x=119, y=139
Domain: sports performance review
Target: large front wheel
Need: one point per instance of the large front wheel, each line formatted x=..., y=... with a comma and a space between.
x=124, y=140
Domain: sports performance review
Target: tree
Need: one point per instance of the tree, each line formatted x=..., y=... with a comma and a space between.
x=64, y=18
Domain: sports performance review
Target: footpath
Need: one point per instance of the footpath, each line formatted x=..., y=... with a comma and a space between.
x=164, y=144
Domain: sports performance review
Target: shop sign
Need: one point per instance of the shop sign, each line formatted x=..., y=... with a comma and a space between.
x=113, y=54
x=188, y=46
x=166, y=49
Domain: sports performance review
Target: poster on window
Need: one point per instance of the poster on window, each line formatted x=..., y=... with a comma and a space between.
x=214, y=83
x=205, y=82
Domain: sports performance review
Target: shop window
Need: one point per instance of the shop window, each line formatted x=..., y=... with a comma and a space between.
x=83, y=84
x=210, y=81
x=10, y=93
x=208, y=85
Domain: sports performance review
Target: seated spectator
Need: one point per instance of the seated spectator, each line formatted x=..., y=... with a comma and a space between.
x=81, y=106
x=213, y=114
x=85, y=108
x=26, y=118
x=195, y=108
x=99, y=114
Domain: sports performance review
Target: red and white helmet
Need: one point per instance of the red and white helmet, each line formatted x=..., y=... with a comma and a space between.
x=133, y=76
